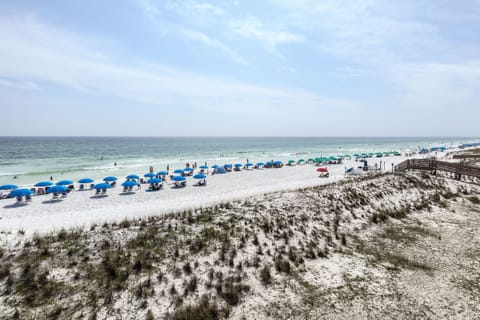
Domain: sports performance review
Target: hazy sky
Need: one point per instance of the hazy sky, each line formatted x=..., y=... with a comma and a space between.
x=273, y=67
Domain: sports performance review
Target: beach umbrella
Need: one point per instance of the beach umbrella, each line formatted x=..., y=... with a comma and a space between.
x=57, y=189
x=85, y=180
x=149, y=175
x=64, y=183
x=227, y=165
x=178, y=178
x=154, y=180
x=188, y=169
x=8, y=187
x=130, y=183
x=179, y=171
x=132, y=176
x=311, y=160
x=356, y=155
x=291, y=161
x=322, y=169
x=277, y=163
x=203, y=167
x=269, y=163
x=101, y=186
x=238, y=165
x=162, y=173
x=301, y=160
x=260, y=164
x=43, y=184
x=200, y=176
x=215, y=166
x=248, y=164
x=20, y=193
x=109, y=178
x=332, y=158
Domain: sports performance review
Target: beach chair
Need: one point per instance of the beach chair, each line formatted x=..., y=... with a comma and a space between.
x=19, y=200
x=126, y=189
x=64, y=194
x=97, y=192
x=104, y=191
x=55, y=196
x=91, y=186
x=81, y=187
x=28, y=198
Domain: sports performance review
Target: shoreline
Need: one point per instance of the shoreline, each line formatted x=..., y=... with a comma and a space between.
x=80, y=210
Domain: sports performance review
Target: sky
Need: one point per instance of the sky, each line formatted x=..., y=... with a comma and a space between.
x=240, y=68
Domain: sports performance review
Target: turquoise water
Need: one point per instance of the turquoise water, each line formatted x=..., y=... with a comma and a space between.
x=33, y=159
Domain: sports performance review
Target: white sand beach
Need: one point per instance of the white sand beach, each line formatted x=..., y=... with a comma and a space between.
x=79, y=209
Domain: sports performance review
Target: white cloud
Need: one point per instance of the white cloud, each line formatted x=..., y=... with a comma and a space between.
x=254, y=28
x=166, y=27
x=29, y=53
x=15, y=84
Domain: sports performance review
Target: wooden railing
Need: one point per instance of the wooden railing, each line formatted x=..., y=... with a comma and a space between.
x=466, y=156
x=459, y=169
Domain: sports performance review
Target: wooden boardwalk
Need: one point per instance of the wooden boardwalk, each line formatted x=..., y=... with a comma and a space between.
x=459, y=169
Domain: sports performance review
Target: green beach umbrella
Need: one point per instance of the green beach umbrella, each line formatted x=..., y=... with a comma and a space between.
x=301, y=160
x=291, y=161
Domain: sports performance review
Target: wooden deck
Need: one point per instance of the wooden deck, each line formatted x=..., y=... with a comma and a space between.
x=432, y=165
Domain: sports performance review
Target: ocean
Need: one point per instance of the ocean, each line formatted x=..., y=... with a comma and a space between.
x=27, y=160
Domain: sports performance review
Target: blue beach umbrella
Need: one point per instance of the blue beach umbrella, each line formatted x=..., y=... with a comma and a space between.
x=214, y=166
x=188, y=169
x=248, y=164
x=260, y=164
x=227, y=165
x=149, y=175
x=178, y=171
x=129, y=183
x=57, y=189
x=20, y=193
x=162, y=173
x=179, y=178
x=8, y=187
x=86, y=180
x=101, y=186
x=203, y=167
x=132, y=176
x=200, y=176
x=43, y=184
x=154, y=180
x=238, y=165
x=277, y=163
x=64, y=183
x=110, y=178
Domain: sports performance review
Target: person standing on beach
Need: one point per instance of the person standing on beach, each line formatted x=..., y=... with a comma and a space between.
x=51, y=178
